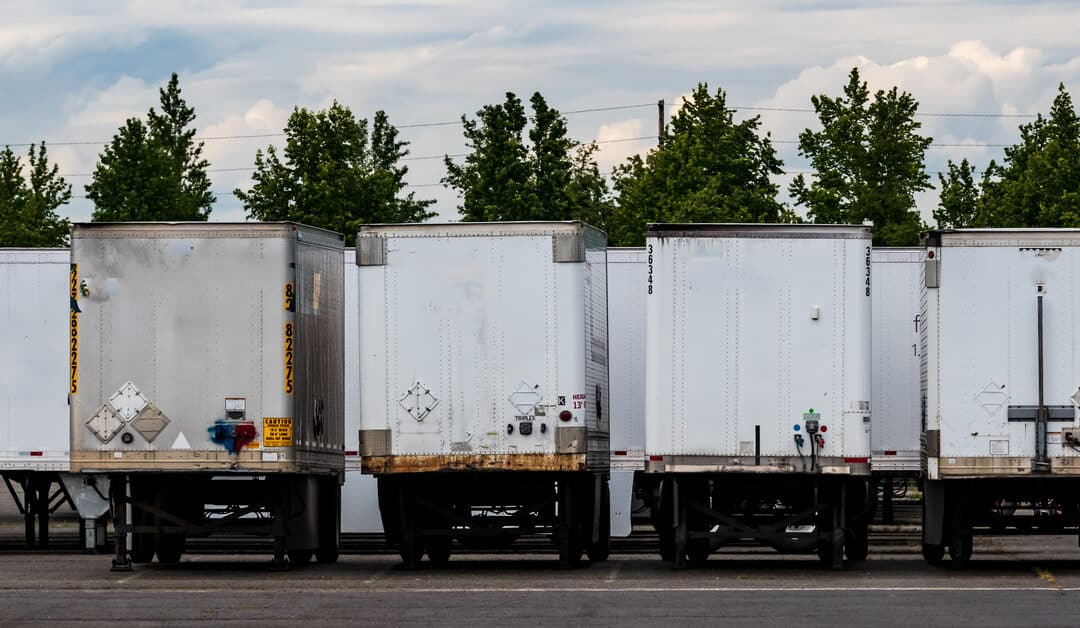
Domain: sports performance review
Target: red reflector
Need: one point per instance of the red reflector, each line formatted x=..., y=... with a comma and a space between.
x=856, y=460
x=352, y=453
x=565, y=415
x=37, y=453
x=824, y=428
x=890, y=453
x=656, y=458
x=620, y=452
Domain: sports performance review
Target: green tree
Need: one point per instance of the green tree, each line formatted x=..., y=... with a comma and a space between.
x=153, y=170
x=709, y=168
x=334, y=174
x=28, y=207
x=1038, y=184
x=868, y=162
x=505, y=176
x=587, y=191
x=959, y=200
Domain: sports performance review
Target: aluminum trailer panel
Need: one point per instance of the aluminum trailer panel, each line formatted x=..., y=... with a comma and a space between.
x=34, y=372
x=981, y=297
x=474, y=339
x=895, y=406
x=626, y=268
x=359, y=493
x=179, y=330
x=753, y=330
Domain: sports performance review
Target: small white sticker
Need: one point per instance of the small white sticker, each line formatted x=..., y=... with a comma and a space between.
x=270, y=456
x=999, y=448
x=118, y=454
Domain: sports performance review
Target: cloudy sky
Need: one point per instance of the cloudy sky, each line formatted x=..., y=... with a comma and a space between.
x=71, y=72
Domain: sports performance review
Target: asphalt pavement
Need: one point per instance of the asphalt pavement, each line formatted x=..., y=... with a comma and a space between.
x=1011, y=581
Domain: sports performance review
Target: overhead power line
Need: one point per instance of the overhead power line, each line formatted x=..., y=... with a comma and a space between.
x=417, y=125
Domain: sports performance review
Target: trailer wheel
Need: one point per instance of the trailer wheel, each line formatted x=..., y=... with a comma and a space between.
x=328, y=554
x=857, y=543
x=961, y=548
x=142, y=547
x=300, y=558
x=933, y=554
x=698, y=551
x=329, y=522
x=170, y=547
x=663, y=514
x=438, y=550
x=601, y=549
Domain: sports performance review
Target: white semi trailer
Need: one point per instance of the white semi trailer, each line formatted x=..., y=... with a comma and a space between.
x=484, y=379
x=626, y=332
x=1001, y=385
x=33, y=407
x=758, y=387
x=894, y=406
x=206, y=380
x=359, y=493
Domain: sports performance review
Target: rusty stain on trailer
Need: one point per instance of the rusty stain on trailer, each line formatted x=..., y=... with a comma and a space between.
x=473, y=462
x=1005, y=466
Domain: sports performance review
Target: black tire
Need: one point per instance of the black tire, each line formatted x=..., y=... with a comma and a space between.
x=961, y=548
x=328, y=555
x=170, y=547
x=142, y=547
x=438, y=550
x=825, y=551
x=329, y=522
x=574, y=554
x=300, y=558
x=411, y=556
x=663, y=515
x=698, y=551
x=933, y=554
x=389, y=509
x=857, y=544
x=601, y=549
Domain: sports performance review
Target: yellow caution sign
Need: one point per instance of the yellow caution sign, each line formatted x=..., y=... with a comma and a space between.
x=277, y=432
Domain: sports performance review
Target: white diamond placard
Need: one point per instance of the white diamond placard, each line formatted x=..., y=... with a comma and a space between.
x=992, y=397
x=105, y=423
x=525, y=398
x=418, y=401
x=128, y=401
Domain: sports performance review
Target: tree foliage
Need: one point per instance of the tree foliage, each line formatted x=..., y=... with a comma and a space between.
x=1038, y=184
x=28, y=205
x=959, y=200
x=334, y=173
x=154, y=170
x=868, y=162
x=709, y=168
x=547, y=176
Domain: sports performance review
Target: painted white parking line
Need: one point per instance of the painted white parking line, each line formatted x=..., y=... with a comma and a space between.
x=445, y=590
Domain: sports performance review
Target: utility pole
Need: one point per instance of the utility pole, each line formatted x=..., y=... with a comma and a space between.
x=660, y=127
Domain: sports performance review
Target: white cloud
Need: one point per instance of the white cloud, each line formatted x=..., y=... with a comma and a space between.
x=244, y=66
x=970, y=77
